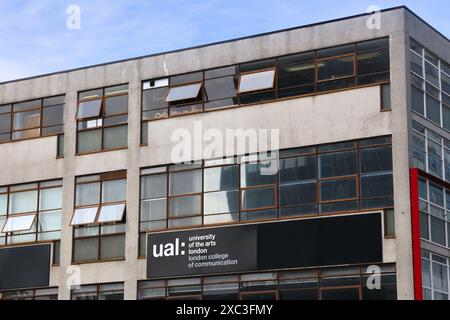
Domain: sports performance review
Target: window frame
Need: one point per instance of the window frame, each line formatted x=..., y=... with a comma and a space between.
x=101, y=178
x=157, y=224
x=38, y=107
x=102, y=118
x=276, y=93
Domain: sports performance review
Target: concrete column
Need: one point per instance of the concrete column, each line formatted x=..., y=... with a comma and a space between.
x=400, y=153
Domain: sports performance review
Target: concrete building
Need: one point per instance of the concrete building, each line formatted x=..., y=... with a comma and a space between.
x=93, y=205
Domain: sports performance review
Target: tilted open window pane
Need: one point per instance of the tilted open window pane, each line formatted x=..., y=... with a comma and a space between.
x=111, y=213
x=184, y=92
x=257, y=81
x=89, y=109
x=84, y=216
x=19, y=223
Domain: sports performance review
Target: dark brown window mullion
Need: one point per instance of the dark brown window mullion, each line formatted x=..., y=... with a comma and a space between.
x=358, y=176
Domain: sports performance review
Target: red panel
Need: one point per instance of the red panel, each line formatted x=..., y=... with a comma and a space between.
x=415, y=224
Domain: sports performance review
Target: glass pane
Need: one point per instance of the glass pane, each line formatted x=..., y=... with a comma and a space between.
x=49, y=221
x=298, y=193
x=221, y=178
x=337, y=164
x=297, y=169
x=220, y=88
x=256, y=81
x=116, y=105
x=386, y=95
x=185, y=206
x=19, y=223
x=335, y=51
x=373, y=61
x=335, y=68
x=112, y=213
x=50, y=199
x=221, y=202
x=27, y=120
x=417, y=100
x=389, y=224
x=254, y=174
x=89, y=141
x=115, y=137
x=153, y=209
x=185, y=182
x=5, y=123
x=258, y=198
x=377, y=186
x=376, y=159
x=416, y=64
x=433, y=110
x=28, y=105
x=440, y=278
x=112, y=247
x=89, y=109
x=153, y=186
x=84, y=216
x=87, y=194
x=114, y=190
x=431, y=74
x=85, y=249
x=184, y=92
x=296, y=70
x=21, y=202
x=338, y=189
x=52, y=116
x=154, y=99
x=3, y=204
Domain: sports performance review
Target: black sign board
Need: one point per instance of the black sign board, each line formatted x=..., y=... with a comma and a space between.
x=25, y=267
x=347, y=239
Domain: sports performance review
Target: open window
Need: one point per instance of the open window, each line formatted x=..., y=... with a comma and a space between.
x=19, y=223
x=102, y=119
x=89, y=109
x=255, y=81
x=182, y=93
x=111, y=213
x=84, y=216
x=99, y=217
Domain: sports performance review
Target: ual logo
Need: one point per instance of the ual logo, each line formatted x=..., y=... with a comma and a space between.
x=169, y=249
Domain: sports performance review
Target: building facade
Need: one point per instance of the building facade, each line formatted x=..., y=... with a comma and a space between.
x=94, y=206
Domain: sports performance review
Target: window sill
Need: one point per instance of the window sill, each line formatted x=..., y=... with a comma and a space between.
x=96, y=261
x=101, y=151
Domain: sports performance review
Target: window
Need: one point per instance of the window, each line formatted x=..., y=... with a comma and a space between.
x=431, y=152
x=256, y=81
x=434, y=212
x=30, y=294
x=265, y=80
x=435, y=276
x=31, y=119
x=99, y=217
x=283, y=285
x=335, y=63
x=429, y=85
x=373, y=61
x=113, y=291
x=340, y=177
x=385, y=97
x=31, y=213
x=102, y=119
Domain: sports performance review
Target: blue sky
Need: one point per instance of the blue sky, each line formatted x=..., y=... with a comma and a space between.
x=34, y=38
